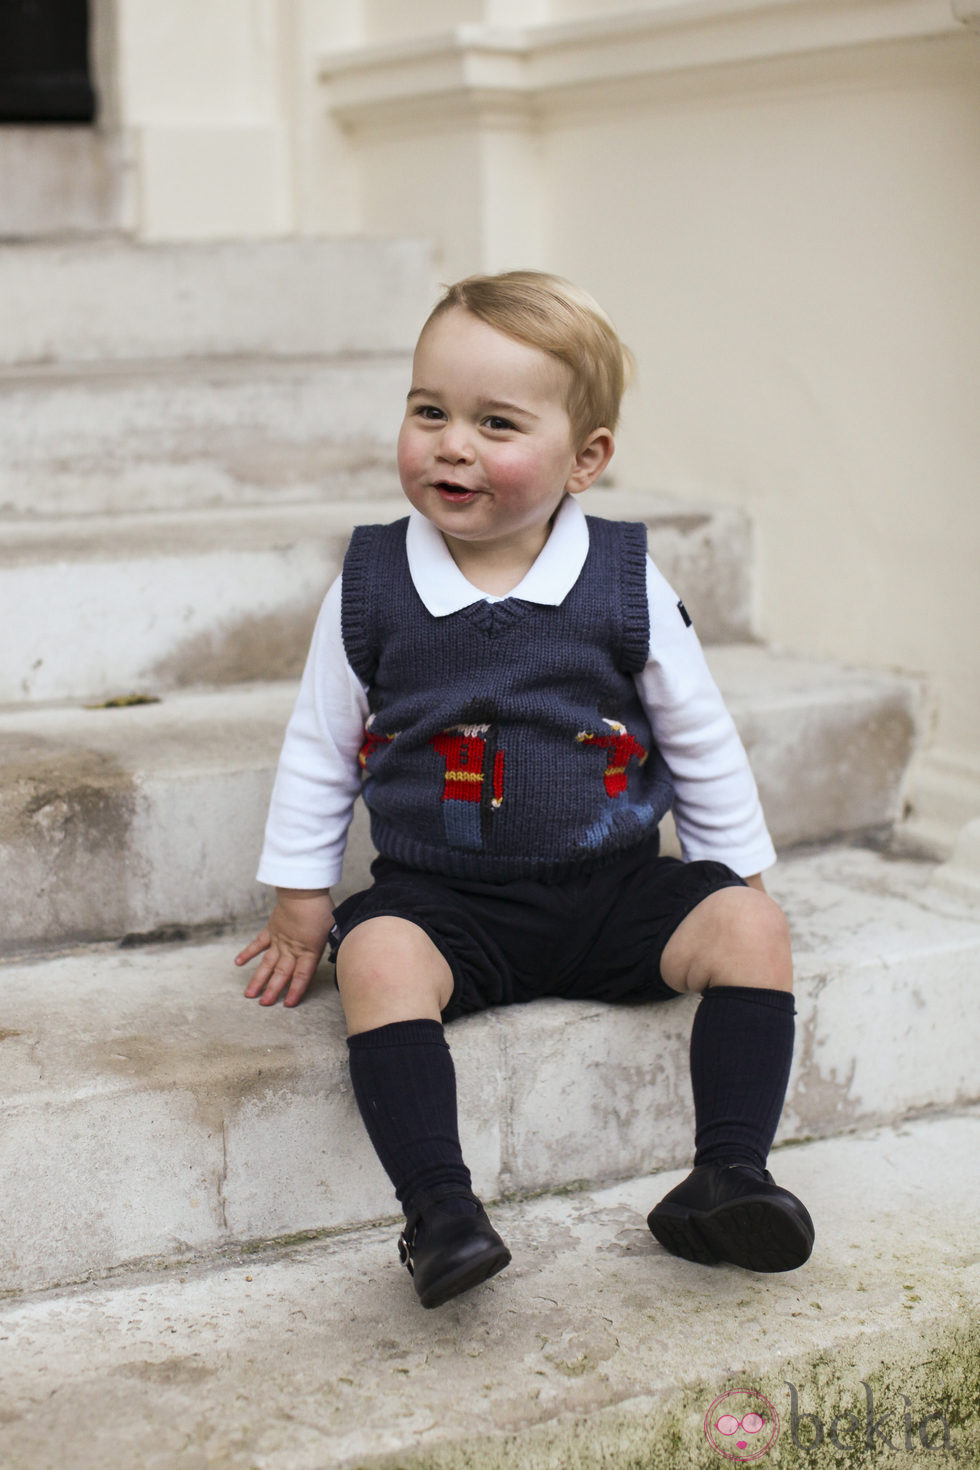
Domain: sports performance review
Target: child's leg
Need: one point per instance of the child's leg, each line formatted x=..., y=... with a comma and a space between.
x=394, y=984
x=734, y=948
x=389, y=970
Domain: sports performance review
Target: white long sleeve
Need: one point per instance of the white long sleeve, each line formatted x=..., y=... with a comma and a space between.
x=717, y=812
x=318, y=777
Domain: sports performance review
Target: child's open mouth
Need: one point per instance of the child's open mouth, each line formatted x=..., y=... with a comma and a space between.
x=456, y=494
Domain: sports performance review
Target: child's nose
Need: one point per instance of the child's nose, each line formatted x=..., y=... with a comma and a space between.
x=455, y=445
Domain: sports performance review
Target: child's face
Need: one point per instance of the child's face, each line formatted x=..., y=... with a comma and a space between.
x=485, y=450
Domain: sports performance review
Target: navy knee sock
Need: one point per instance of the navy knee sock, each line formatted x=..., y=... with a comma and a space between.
x=741, y=1050
x=405, y=1085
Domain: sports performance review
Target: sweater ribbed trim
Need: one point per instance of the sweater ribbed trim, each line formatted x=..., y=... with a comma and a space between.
x=636, y=608
x=368, y=555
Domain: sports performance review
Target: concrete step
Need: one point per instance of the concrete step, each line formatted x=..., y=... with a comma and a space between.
x=151, y=1111
x=594, y=1347
x=120, y=820
x=130, y=437
x=115, y=300
x=105, y=604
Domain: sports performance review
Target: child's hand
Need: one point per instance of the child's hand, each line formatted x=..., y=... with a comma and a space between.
x=292, y=942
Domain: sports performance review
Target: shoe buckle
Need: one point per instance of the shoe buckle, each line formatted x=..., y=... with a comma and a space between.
x=405, y=1253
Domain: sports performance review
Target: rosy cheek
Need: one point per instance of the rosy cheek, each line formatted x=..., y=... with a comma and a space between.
x=410, y=454
x=513, y=472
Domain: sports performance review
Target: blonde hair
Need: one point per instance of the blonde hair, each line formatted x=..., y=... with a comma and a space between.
x=561, y=319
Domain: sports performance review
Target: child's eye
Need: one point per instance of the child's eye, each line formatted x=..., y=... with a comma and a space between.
x=430, y=412
x=497, y=424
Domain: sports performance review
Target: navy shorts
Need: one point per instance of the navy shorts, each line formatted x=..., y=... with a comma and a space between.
x=597, y=936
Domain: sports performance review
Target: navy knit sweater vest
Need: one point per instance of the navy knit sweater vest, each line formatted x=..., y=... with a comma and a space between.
x=506, y=740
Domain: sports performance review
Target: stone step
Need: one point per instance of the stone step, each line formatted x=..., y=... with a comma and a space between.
x=151, y=1111
x=594, y=1347
x=105, y=604
x=124, y=438
x=60, y=180
x=115, y=300
x=119, y=820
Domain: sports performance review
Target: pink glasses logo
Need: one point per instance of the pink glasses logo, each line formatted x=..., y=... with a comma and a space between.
x=741, y=1425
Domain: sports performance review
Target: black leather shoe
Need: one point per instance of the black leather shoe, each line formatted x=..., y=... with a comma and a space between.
x=446, y=1253
x=734, y=1213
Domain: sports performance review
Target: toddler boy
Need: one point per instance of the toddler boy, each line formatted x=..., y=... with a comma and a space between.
x=521, y=697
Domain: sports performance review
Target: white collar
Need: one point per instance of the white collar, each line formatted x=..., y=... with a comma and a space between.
x=444, y=590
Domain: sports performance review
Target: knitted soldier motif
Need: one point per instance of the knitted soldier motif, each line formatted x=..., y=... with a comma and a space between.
x=522, y=748
x=621, y=748
x=464, y=749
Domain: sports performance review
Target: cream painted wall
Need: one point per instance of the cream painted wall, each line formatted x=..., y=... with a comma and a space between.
x=387, y=20
x=220, y=106
x=487, y=208
x=226, y=75
x=199, y=99
x=584, y=9
x=325, y=182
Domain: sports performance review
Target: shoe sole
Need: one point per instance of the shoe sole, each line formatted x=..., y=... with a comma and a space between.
x=758, y=1234
x=472, y=1273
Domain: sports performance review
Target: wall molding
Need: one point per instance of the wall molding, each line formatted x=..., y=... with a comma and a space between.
x=511, y=77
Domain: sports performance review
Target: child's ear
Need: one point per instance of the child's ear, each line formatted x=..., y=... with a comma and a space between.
x=591, y=460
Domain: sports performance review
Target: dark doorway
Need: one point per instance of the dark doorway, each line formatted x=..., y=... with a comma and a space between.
x=44, y=68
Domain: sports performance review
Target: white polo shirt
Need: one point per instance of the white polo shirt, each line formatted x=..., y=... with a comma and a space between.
x=716, y=805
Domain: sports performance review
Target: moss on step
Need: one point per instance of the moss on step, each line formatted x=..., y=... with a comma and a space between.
x=905, y=1402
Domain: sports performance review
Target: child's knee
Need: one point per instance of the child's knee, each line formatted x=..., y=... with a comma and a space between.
x=754, y=916
x=753, y=942
x=388, y=970
x=761, y=926
x=736, y=936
